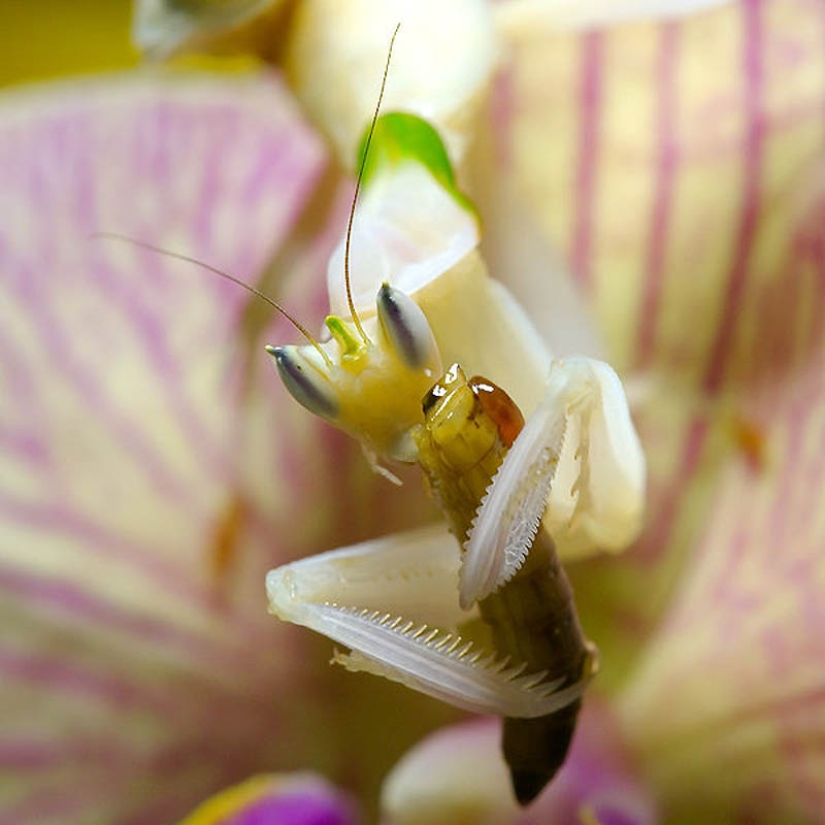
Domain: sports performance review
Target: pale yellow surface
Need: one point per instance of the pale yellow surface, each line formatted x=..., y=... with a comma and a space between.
x=49, y=38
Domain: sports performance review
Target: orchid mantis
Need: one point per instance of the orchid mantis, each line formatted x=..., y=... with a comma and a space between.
x=477, y=613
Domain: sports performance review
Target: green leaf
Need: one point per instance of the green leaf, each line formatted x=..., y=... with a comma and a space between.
x=400, y=137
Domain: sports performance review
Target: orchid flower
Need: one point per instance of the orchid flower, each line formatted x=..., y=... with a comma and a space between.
x=152, y=469
x=124, y=703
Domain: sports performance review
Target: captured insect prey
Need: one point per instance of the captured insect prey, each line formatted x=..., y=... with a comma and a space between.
x=468, y=428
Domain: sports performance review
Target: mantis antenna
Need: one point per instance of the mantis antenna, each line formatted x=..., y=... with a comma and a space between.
x=251, y=289
x=114, y=236
x=347, y=278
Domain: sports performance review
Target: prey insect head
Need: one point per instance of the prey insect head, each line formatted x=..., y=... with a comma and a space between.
x=465, y=417
x=456, y=433
x=468, y=425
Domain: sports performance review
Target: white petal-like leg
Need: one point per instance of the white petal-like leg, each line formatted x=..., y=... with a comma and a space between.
x=578, y=448
x=413, y=574
x=612, y=484
x=393, y=601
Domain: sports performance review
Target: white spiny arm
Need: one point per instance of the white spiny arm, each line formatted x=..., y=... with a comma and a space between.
x=579, y=457
x=393, y=601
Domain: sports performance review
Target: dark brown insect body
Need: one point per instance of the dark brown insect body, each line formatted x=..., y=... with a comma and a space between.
x=530, y=620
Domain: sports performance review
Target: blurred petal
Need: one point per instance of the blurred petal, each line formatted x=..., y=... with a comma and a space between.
x=670, y=199
x=589, y=13
x=730, y=694
x=146, y=484
x=682, y=206
x=442, y=62
x=519, y=253
x=162, y=27
x=279, y=799
x=457, y=777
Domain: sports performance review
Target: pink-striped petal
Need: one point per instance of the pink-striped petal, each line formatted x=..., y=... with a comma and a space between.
x=729, y=696
x=153, y=469
x=694, y=221
x=679, y=180
x=653, y=155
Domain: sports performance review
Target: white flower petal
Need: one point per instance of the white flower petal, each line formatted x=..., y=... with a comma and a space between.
x=443, y=59
x=454, y=776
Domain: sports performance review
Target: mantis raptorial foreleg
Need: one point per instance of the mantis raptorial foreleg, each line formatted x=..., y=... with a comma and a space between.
x=393, y=602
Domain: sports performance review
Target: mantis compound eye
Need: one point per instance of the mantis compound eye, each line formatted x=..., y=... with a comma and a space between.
x=305, y=380
x=406, y=328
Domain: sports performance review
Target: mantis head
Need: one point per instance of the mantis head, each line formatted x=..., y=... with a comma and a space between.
x=370, y=386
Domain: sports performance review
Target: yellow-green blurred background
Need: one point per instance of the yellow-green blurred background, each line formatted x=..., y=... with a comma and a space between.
x=45, y=38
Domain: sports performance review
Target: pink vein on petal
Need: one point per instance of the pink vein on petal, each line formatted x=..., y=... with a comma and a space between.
x=502, y=114
x=151, y=334
x=170, y=579
x=24, y=446
x=798, y=415
x=170, y=802
x=666, y=164
x=194, y=747
x=60, y=677
x=44, y=595
x=227, y=761
x=209, y=187
x=590, y=100
x=752, y=71
x=71, y=795
x=50, y=803
x=657, y=535
x=87, y=386
x=29, y=755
